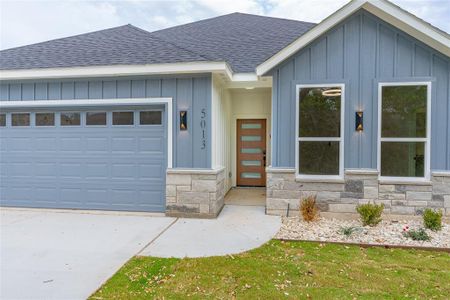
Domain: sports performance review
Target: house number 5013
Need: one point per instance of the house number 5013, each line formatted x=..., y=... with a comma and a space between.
x=203, y=127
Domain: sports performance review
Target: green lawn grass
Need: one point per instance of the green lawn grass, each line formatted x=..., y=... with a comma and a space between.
x=288, y=270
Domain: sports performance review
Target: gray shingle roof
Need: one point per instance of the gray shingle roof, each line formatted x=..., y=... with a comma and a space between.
x=242, y=40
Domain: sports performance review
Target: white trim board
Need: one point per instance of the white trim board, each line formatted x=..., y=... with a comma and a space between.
x=117, y=70
x=4, y=105
x=383, y=9
x=243, y=79
x=426, y=140
x=340, y=139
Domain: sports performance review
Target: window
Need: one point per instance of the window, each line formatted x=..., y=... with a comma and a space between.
x=404, y=130
x=45, y=119
x=2, y=120
x=123, y=118
x=20, y=119
x=150, y=117
x=320, y=114
x=70, y=119
x=96, y=118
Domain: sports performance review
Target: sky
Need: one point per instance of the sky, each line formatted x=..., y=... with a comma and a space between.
x=31, y=21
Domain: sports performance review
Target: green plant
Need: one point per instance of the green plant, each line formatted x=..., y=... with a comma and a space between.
x=348, y=230
x=432, y=219
x=417, y=235
x=308, y=208
x=370, y=213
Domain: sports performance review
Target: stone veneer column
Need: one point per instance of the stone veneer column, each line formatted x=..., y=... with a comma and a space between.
x=197, y=193
x=441, y=191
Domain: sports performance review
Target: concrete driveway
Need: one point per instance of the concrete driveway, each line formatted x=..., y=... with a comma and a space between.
x=68, y=255
x=63, y=254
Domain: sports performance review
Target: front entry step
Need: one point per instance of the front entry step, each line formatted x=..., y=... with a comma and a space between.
x=246, y=196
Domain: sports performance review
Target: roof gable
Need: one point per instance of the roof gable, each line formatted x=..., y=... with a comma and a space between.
x=383, y=9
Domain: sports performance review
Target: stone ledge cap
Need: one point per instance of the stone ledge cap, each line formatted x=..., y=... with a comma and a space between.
x=361, y=172
x=319, y=180
x=195, y=171
x=443, y=173
x=280, y=170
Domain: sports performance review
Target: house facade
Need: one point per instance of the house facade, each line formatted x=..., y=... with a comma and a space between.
x=352, y=110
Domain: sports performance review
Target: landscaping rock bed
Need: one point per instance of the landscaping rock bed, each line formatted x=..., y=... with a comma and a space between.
x=385, y=233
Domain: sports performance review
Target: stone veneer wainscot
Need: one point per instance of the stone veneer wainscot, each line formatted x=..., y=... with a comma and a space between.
x=197, y=193
x=358, y=186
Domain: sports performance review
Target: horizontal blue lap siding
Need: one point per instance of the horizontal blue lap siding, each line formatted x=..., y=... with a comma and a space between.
x=191, y=148
x=361, y=52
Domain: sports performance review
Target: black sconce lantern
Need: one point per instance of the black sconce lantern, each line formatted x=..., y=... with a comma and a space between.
x=359, y=121
x=183, y=120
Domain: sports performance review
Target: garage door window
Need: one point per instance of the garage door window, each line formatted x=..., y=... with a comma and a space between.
x=45, y=119
x=96, y=118
x=20, y=119
x=2, y=120
x=70, y=119
x=150, y=118
x=123, y=118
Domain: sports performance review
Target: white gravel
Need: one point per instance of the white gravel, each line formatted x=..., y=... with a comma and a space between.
x=385, y=233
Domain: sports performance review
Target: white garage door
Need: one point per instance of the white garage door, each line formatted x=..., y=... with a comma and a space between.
x=87, y=158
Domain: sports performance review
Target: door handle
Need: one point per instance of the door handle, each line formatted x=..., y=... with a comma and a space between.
x=264, y=158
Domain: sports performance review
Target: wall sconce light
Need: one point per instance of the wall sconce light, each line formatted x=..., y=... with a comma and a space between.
x=359, y=116
x=183, y=120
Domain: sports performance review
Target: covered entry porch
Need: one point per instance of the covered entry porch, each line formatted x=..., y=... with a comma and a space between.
x=241, y=138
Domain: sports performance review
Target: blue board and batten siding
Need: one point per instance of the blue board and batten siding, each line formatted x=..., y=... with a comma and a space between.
x=191, y=148
x=361, y=52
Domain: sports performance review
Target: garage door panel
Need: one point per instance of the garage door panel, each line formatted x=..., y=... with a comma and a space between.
x=45, y=194
x=149, y=171
x=154, y=144
x=70, y=144
x=45, y=169
x=19, y=144
x=70, y=170
x=19, y=169
x=86, y=167
x=97, y=144
x=44, y=144
x=124, y=171
x=96, y=170
x=123, y=144
x=17, y=193
x=97, y=196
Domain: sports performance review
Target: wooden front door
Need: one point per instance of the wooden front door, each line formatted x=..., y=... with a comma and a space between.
x=251, y=152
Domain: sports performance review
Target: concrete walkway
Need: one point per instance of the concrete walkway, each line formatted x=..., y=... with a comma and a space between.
x=237, y=229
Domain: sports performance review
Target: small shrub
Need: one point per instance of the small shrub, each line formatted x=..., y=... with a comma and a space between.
x=370, y=213
x=348, y=230
x=432, y=219
x=308, y=209
x=416, y=235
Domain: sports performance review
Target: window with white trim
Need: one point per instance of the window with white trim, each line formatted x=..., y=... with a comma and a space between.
x=320, y=130
x=404, y=130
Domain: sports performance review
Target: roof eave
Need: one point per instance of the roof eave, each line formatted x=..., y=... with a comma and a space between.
x=116, y=71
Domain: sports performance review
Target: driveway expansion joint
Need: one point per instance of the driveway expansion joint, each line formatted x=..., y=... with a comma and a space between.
x=156, y=237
